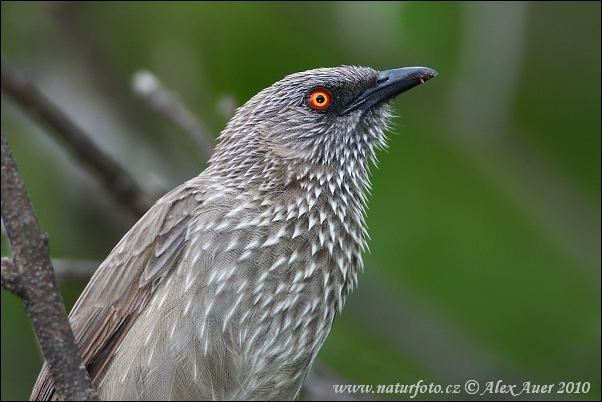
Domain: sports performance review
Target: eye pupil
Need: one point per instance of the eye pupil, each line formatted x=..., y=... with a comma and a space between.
x=320, y=99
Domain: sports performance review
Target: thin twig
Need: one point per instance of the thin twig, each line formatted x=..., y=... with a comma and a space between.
x=64, y=270
x=77, y=270
x=114, y=177
x=32, y=270
x=149, y=88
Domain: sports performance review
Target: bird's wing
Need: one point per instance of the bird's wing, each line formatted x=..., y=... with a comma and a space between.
x=124, y=283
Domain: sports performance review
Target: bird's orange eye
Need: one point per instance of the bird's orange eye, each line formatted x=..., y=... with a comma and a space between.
x=319, y=98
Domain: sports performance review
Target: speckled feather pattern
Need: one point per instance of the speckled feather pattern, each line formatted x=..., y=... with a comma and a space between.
x=228, y=286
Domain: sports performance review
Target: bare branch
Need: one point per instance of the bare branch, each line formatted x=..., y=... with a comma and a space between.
x=114, y=177
x=149, y=88
x=31, y=269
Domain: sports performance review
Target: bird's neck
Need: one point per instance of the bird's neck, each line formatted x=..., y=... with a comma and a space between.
x=330, y=199
x=267, y=167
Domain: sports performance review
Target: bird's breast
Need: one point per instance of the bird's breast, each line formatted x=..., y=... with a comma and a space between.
x=270, y=274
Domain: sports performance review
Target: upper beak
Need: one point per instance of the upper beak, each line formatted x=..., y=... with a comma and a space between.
x=391, y=83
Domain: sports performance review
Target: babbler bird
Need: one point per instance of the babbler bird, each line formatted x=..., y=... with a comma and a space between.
x=227, y=287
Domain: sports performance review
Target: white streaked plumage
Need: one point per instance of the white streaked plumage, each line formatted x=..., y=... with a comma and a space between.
x=228, y=286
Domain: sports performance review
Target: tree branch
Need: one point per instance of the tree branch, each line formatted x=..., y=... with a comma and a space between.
x=149, y=88
x=30, y=273
x=114, y=177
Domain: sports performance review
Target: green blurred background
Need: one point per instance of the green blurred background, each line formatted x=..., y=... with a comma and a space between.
x=485, y=211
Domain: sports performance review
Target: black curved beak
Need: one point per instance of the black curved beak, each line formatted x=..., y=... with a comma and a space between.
x=390, y=83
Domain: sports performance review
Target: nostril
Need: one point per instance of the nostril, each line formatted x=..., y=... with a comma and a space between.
x=382, y=79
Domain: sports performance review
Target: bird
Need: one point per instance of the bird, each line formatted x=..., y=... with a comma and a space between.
x=228, y=286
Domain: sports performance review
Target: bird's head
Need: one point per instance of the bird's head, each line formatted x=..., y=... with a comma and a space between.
x=326, y=116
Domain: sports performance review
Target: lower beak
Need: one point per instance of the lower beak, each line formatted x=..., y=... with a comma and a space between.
x=390, y=83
